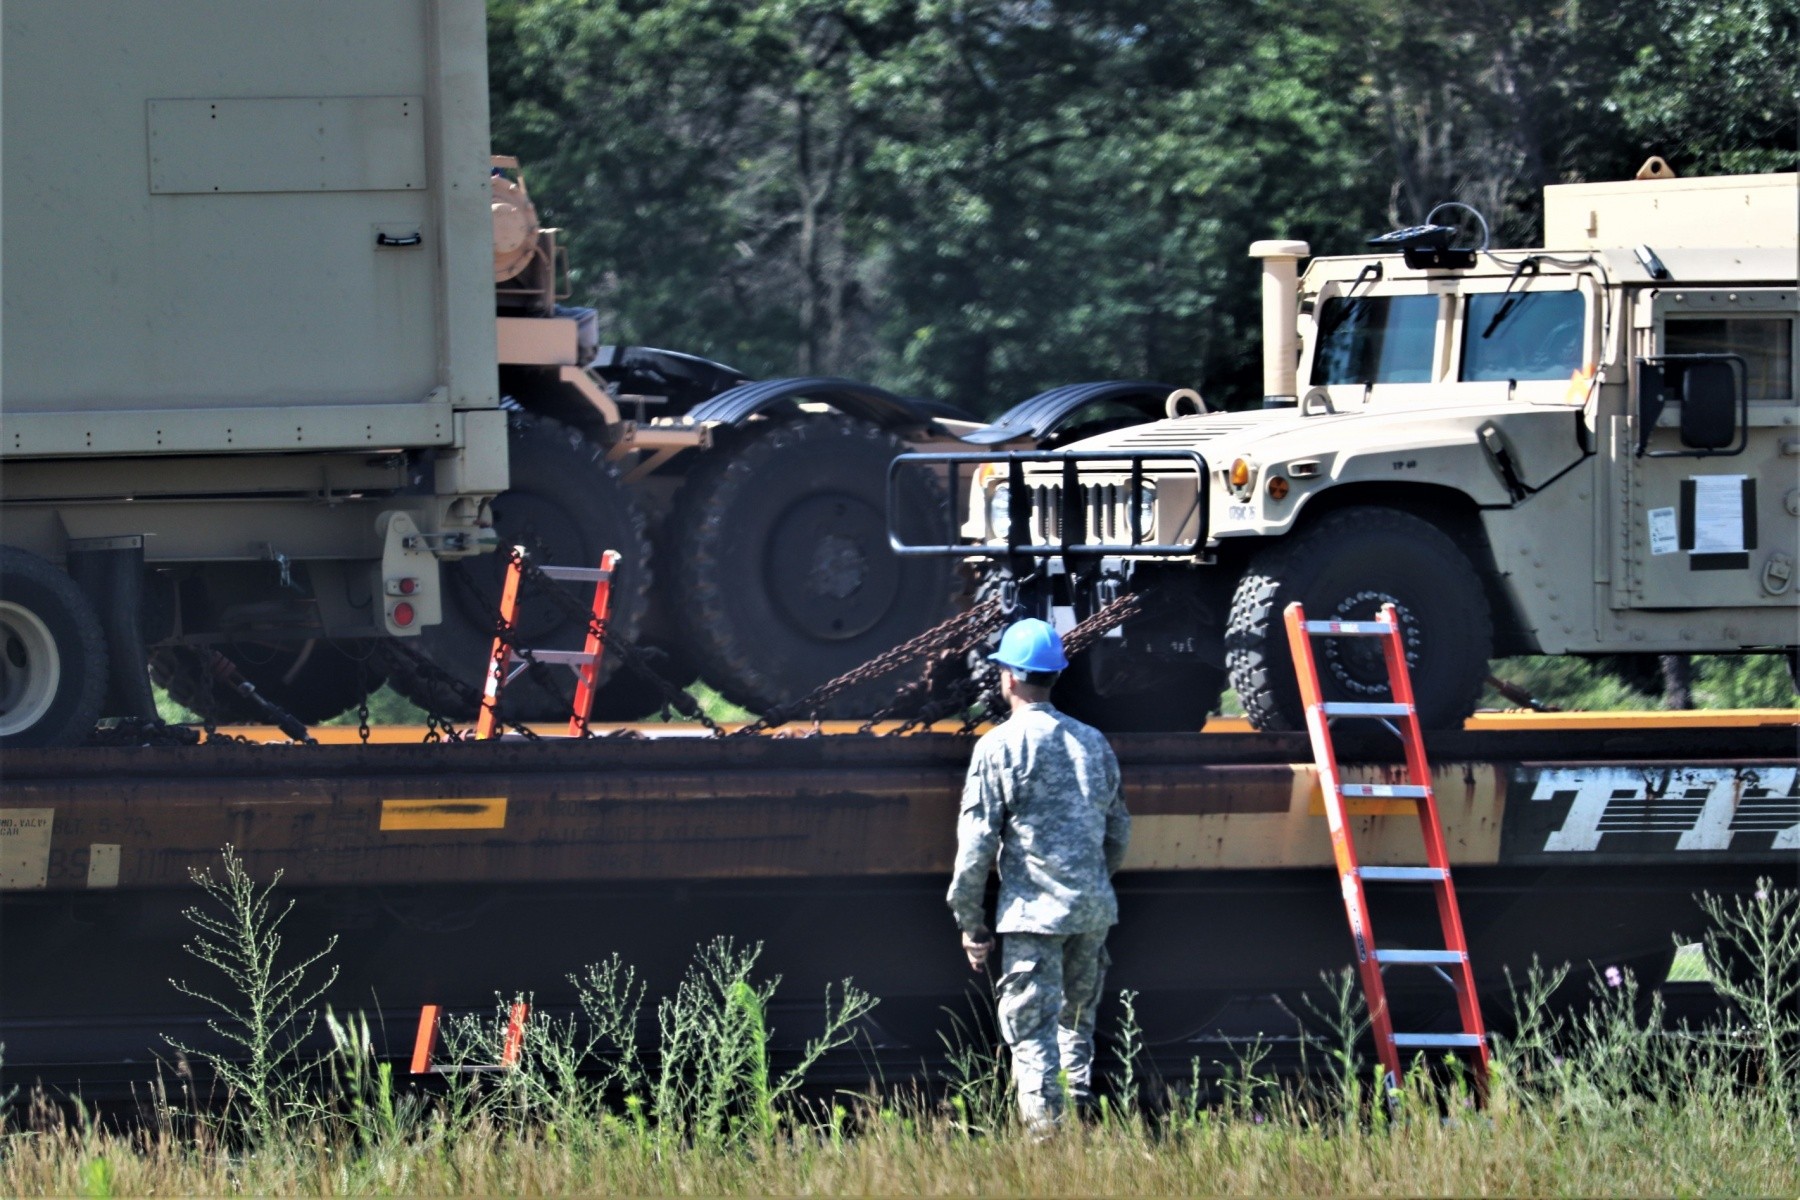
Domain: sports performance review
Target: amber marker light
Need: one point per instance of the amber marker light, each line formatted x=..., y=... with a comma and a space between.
x=1278, y=488
x=1240, y=474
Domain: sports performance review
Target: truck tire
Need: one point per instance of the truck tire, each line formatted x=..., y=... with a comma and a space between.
x=1179, y=702
x=628, y=696
x=315, y=680
x=1346, y=566
x=566, y=505
x=53, y=661
x=784, y=572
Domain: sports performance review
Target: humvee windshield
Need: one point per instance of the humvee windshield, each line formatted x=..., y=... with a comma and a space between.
x=1538, y=337
x=1375, y=339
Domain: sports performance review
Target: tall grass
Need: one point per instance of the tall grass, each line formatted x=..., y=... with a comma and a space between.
x=1595, y=1100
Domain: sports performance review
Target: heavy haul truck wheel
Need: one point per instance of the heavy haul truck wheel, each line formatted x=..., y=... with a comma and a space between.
x=783, y=566
x=53, y=659
x=315, y=680
x=1345, y=567
x=566, y=505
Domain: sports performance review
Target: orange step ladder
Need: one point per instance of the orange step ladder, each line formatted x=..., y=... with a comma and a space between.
x=1402, y=717
x=425, y=1043
x=506, y=661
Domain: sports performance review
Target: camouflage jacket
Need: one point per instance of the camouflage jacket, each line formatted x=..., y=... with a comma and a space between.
x=1043, y=796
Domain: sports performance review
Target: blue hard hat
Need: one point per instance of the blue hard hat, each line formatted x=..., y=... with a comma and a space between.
x=1030, y=645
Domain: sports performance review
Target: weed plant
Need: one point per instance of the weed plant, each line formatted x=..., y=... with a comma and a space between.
x=1599, y=1099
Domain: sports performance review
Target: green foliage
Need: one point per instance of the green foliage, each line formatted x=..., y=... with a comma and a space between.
x=1585, y=685
x=170, y=711
x=264, y=1006
x=1752, y=951
x=386, y=707
x=980, y=199
x=1715, y=87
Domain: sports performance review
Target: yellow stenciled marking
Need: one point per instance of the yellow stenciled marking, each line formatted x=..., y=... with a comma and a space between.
x=486, y=812
x=1360, y=806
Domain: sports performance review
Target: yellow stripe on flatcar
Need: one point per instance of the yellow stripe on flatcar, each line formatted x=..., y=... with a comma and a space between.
x=1718, y=718
x=487, y=812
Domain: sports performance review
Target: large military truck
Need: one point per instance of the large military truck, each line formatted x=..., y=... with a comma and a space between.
x=748, y=514
x=248, y=374
x=1589, y=449
x=284, y=356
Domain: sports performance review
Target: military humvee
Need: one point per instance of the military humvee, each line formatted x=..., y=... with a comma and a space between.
x=1589, y=449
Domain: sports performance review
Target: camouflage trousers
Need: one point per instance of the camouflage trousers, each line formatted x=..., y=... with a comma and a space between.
x=1048, y=991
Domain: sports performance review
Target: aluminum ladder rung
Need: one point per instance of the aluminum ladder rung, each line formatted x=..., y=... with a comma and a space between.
x=561, y=657
x=1421, y=957
x=577, y=574
x=1382, y=791
x=1433, y=1041
x=1402, y=874
x=1350, y=628
x=1358, y=708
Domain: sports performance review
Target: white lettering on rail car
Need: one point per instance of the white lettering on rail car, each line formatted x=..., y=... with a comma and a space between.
x=1702, y=808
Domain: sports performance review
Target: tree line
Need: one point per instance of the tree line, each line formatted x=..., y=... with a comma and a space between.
x=973, y=200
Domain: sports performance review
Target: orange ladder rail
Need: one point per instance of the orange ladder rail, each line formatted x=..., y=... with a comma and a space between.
x=425, y=1042
x=1401, y=716
x=506, y=661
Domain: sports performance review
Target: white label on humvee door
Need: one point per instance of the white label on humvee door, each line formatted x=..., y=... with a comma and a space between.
x=1663, y=537
x=1718, y=514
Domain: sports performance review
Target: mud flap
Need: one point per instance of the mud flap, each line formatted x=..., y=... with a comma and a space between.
x=110, y=573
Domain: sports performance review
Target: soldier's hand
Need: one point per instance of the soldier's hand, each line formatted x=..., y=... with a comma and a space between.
x=978, y=945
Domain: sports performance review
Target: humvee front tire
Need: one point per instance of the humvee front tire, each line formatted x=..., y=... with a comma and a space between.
x=1345, y=567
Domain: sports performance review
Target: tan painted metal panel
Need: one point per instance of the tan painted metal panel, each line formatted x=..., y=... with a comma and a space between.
x=1725, y=210
x=536, y=340
x=288, y=144
x=132, y=286
x=225, y=430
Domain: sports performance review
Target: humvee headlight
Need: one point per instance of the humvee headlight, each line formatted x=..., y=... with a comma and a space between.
x=999, y=511
x=1278, y=488
x=1146, y=512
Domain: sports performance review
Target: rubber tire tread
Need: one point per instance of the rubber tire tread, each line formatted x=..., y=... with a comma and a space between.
x=40, y=587
x=1257, y=657
x=752, y=656
x=560, y=464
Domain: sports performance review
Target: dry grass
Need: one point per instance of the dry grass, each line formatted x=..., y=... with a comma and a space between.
x=1680, y=1148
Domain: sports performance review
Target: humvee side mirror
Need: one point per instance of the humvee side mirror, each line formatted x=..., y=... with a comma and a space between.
x=1715, y=405
x=1709, y=405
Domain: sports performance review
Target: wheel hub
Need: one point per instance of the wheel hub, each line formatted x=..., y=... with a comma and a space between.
x=838, y=567
x=30, y=669
x=1357, y=664
x=828, y=570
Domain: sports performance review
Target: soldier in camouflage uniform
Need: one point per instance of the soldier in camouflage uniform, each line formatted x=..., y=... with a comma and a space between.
x=1043, y=797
